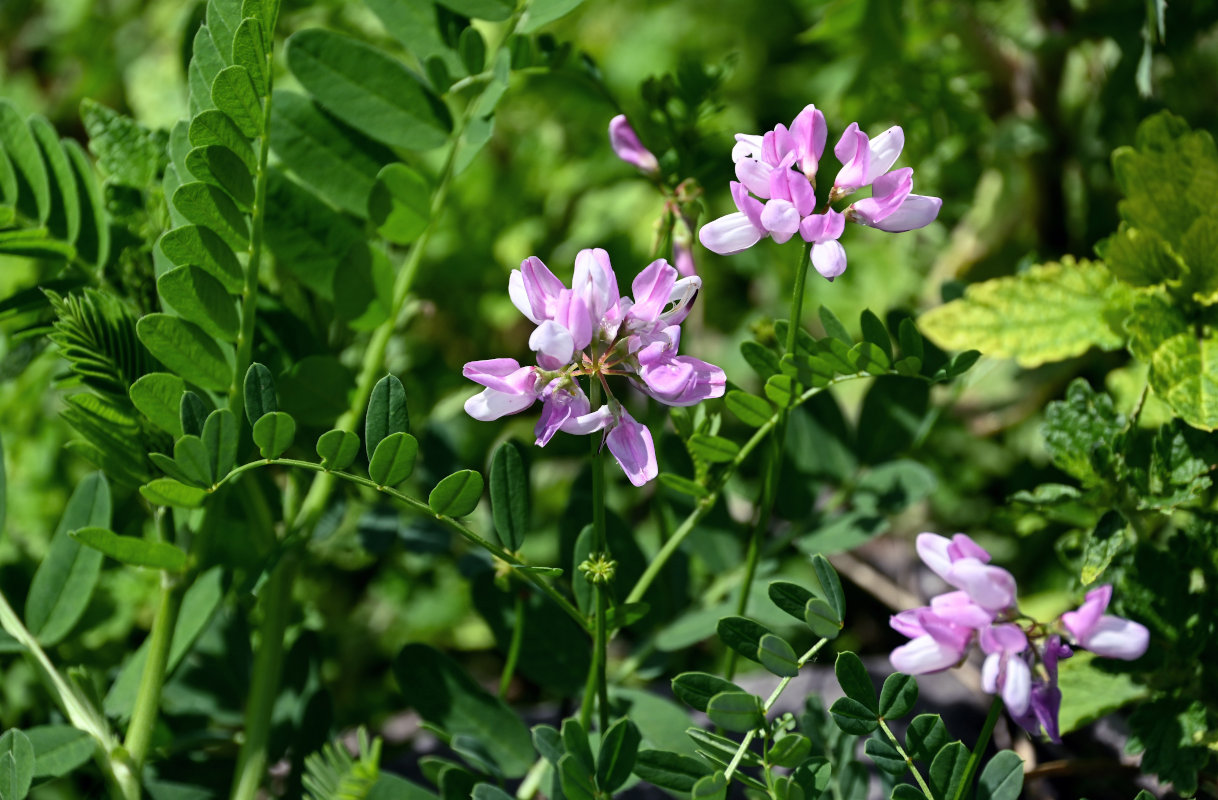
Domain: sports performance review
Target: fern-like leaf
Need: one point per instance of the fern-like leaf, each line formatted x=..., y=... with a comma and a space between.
x=332, y=774
x=95, y=333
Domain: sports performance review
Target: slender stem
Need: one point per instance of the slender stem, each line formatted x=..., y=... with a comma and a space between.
x=600, y=550
x=513, y=654
x=253, y=266
x=420, y=507
x=769, y=704
x=148, y=700
x=983, y=739
x=268, y=664
x=908, y=761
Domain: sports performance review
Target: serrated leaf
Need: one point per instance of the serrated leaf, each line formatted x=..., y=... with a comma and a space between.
x=220, y=439
x=509, y=489
x=695, y=689
x=742, y=635
x=777, y=655
x=186, y=349
x=221, y=167
x=125, y=150
x=855, y=682
x=64, y=582
x=16, y=764
x=59, y=749
x=853, y=717
x=399, y=204
x=1002, y=778
x=274, y=433
x=1075, y=428
x=201, y=299
x=386, y=412
x=393, y=460
x=132, y=550
x=615, y=757
x=947, y=770
x=898, y=695
x=885, y=756
x=749, y=408
x=925, y=737
x=211, y=207
x=1102, y=544
x=259, y=392
x=337, y=449
x=715, y=449
x=192, y=245
x=669, y=770
x=1051, y=312
x=457, y=494
x=367, y=89
x=1184, y=374
x=738, y=712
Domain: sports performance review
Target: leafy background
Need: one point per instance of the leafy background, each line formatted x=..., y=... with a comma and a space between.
x=1011, y=112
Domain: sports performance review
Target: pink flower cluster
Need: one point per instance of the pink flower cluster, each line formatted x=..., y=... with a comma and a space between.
x=591, y=330
x=780, y=169
x=1021, y=655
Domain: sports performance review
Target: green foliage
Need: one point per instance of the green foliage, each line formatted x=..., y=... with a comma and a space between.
x=387, y=413
x=59, y=749
x=332, y=774
x=132, y=550
x=274, y=433
x=1048, y=313
x=16, y=764
x=394, y=459
x=457, y=494
x=509, y=489
x=337, y=449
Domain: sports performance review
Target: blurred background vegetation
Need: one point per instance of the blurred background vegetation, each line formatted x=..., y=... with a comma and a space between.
x=1011, y=109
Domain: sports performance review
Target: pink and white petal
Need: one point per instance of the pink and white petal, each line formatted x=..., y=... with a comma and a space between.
x=855, y=154
x=1017, y=686
x=651, y=290
x=745, y=203
x=520, y=298
x=501, y=374
x=587, y=423
x=959, y=609
x=781, y=219
x=748, y=145
x=809, y=132
x=917, y=211
x=963, y=546
x=1005, y=638
x=924, y=655
x=730, y=234
x=829, y=258
x=908, y=623
x=489, y=404
x=755, y=176
x=682, y=299
x=625, y=143
x=992, y=588
x=631, y=444
x=990, y=670
x=885, y=149
x=802, y=194
x=1115, y=637
x=553, y=344
x=595, y=282
x=932, y=549
x=540, y=286
x=571, y=312
x=1081, y=622
x=888, y=193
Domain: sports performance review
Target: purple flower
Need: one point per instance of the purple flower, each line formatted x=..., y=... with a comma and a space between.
x=964, y=564
x=780, y=168
x=1046, y=698
x=1104, y=634
x=590, y=330
x=937, y=643
x=625, y=142
x=1005, y=670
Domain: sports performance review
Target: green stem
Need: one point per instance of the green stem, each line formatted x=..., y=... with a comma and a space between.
x=974, y=759
x=513, y=654
x=148, y=700
x=775, y=423
x=597, y=683
x=249, y=292
x=908, y=761
x=418, y=506
x=268, y=664
x=769, y=704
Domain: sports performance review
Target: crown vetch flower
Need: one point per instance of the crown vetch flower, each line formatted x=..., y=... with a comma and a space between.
x=780, y=168
x=1021, y=654
x=590, y=330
